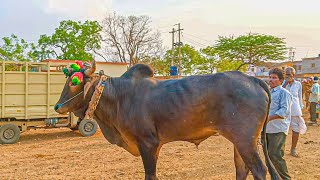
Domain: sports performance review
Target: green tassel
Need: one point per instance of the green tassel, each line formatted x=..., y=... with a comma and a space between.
x=66, y=71
x=75, y=81
x=75, y=67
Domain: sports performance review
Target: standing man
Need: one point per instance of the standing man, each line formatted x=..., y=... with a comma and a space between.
x=278, y=123
x=314, y=99
x=307, y=91
x=297, y=124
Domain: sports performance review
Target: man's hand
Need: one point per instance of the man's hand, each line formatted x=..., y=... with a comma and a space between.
x=273, y=117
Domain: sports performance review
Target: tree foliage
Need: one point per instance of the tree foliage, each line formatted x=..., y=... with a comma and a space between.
x=71, y=40
x=191, y=60
x=251, y=48
x=16, y=49
x=212, y=61
x=130, y=39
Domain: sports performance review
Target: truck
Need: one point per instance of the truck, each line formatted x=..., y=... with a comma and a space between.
x=28, y=93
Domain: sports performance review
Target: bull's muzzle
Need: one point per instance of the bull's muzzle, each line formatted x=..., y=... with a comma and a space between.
x=57, y=106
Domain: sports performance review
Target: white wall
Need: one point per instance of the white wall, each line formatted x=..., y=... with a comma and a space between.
x=113, y=70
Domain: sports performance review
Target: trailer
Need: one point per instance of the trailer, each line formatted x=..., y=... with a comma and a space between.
x=28, y=93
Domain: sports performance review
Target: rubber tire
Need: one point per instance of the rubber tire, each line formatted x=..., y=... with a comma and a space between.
x=15, y=137
x=84, y=124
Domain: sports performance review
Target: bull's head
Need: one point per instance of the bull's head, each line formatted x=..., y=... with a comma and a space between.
x=73, y=94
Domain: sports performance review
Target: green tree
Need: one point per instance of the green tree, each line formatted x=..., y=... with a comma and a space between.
x=251, y=48
x=229, y=65
x=71, y=40
x=160, y=66
x=212, y=61
x=16, y=49
x=191, y=61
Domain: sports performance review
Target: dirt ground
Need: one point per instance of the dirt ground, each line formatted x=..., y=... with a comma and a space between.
x=64, y=154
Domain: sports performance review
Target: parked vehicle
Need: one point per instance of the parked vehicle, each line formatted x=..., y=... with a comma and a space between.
x=28, y=93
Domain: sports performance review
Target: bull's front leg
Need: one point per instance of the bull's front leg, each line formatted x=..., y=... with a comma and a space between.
x=149, y=150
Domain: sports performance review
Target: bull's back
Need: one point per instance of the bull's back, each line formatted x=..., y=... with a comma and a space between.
x=193, y=107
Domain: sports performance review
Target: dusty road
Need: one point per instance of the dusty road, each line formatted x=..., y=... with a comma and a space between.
x=64, y=154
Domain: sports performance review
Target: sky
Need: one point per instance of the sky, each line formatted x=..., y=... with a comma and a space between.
x=202, y=20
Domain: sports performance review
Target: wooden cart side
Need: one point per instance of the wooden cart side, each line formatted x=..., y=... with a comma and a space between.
x=30, y=95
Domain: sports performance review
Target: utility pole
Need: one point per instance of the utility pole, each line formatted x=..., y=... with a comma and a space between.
x=179, y=47
x=291, y=54
x=173, y=45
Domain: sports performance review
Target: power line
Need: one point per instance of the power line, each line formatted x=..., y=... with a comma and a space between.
x=190, y=41
x=196, y=42
x=193, y=43
x=198, y=37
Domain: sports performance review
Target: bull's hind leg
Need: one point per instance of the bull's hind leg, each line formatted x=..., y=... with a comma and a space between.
x=249, y=153
x=241, y=168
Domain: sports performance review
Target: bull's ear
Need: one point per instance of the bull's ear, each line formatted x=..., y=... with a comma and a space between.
x=138, y=71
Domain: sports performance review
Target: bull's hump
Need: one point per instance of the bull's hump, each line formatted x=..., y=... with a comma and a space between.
x=138, y=71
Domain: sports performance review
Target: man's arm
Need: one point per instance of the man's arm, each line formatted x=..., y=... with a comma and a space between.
x=300, y=96
x=285, y=107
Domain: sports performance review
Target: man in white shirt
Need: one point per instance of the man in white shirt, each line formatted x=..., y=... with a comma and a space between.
x=297, y=124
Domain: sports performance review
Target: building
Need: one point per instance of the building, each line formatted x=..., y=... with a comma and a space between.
x=262, y=69
x=113, y=69
x=297, y=65
x=307, y=67
x=310, y=66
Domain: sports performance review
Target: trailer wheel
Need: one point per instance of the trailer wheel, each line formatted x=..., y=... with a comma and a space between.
x=9, y=134
x=88, y=127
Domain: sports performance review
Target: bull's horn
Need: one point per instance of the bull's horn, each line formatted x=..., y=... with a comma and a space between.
x=91, y=70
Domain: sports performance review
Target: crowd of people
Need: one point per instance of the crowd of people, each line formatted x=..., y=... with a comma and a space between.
x=288, y=97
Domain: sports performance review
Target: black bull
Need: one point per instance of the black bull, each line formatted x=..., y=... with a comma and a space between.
x=140, y=113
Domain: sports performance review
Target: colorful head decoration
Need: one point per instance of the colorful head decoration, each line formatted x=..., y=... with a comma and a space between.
x=80, y=63
x=76, y=78
x=77, y=66
x=66, y=72
x=76, y=72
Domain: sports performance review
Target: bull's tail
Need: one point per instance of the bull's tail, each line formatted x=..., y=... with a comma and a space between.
x=264, y=136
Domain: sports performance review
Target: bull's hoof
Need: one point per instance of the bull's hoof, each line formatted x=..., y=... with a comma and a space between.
x=148, y=177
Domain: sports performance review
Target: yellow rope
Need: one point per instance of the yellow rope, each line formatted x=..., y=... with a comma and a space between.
x=95, y=98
